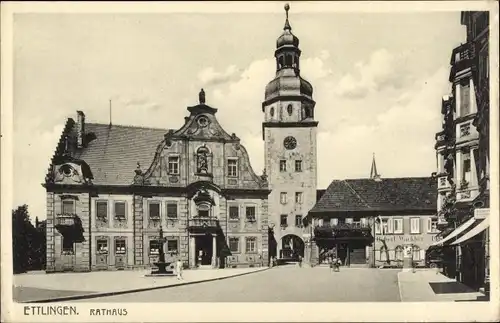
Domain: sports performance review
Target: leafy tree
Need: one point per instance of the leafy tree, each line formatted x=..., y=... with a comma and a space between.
x=28, y=241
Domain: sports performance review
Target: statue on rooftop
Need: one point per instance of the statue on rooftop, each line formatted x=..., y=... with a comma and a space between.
x=202, y=96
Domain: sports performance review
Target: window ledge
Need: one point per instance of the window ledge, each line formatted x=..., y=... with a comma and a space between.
x=233, y=220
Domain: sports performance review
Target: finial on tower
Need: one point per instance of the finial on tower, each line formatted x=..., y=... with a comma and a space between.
x=287, y=24
x=202, y=97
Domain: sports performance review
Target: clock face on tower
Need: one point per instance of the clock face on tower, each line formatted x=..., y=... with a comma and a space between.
x=290, y=143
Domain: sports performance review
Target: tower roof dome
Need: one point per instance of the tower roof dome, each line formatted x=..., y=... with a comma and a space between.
x=287, y=38
x=288, y=83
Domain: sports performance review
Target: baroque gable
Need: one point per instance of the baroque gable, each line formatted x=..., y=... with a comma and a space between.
x=201, y=151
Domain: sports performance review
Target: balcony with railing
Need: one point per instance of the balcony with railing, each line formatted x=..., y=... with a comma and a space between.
x=443, y=183
x=461, y=59
x=65, y=220
x=466, y=132
x=343, y=231
x=203, y=224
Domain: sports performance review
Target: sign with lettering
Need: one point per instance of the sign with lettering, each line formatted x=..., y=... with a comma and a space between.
x=401, y=238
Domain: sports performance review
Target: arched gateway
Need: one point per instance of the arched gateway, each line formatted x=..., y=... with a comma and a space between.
x=292, y=247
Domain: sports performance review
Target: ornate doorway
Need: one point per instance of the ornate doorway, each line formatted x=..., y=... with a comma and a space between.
x=204, y=249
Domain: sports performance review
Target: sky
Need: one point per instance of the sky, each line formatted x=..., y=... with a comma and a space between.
x=378, y=80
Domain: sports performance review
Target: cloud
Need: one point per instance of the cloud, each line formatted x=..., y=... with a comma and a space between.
x=32, y=155
x=381, y=71
x=398, y=123
x=209, y=76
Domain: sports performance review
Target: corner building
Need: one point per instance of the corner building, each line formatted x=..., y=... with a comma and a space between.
x=289, y=134
x=110, y=188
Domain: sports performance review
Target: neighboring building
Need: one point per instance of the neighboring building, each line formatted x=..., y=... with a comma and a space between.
x=463, y=159
x=368, y=222
x=289, y=134
x=110, y=188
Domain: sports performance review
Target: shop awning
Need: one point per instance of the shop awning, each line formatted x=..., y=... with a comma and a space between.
x=456, y=232
x=483, y=225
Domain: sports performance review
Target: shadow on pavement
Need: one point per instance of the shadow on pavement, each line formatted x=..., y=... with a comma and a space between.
x=24, y=294
x=449, y=288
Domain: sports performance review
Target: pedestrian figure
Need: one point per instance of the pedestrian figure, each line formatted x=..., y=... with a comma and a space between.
x=331, y=260
x=300, y=261
x=179, y=269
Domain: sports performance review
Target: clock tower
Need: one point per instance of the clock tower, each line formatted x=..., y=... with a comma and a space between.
x=289, y=132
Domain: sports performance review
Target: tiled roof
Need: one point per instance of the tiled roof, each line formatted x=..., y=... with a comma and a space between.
x=389, y=194
x=114, y=154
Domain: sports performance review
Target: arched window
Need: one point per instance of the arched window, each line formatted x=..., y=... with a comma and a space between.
x=288, y=60
x=289, y=109
x=271, y=112
x=280, y=62
x=399, y=253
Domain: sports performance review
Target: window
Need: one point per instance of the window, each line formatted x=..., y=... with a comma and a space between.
x=68, y=207
x=173, y=165
x=251, y=244
x=416, y=253
x=383, y=254
x=102, y=210
x=250, y=213
x=298, y=221
x=102, y=246
x=203, y=213
x=154, y=211
x=334, y=222
x=284, y=220
x=464, y=99
x=399, y=253
x=298, y=165
x=432, y=225
x=172, y=246
x=298, y=198
x=234, y=244
x=234, y=213
x=172, y=210
x=120, y=211
x=232, y=167
x=282, y=165
x=120, y=247
x=398, y=226
x=466, y=175
x=415, y=225
x=348, y=220
x=271, y=112
x=283, y=198
x=67, y=245
x=154, y=247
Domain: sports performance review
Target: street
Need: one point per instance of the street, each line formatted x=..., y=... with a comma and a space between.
x=281, y=284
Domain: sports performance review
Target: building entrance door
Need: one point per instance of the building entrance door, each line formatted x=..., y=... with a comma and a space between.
x=204, y=249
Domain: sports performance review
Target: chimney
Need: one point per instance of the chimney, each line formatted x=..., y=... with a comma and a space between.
x=80, y=129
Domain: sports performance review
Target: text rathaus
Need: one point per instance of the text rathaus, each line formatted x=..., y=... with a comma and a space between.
x=110, y=188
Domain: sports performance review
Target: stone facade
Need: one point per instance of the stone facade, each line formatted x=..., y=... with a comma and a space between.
x=289, y=133
x=198, y=186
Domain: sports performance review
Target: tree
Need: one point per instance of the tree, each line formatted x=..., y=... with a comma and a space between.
x=28, y=241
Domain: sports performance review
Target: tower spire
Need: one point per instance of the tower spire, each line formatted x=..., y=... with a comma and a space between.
x=287, y=24
x=373, y=172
